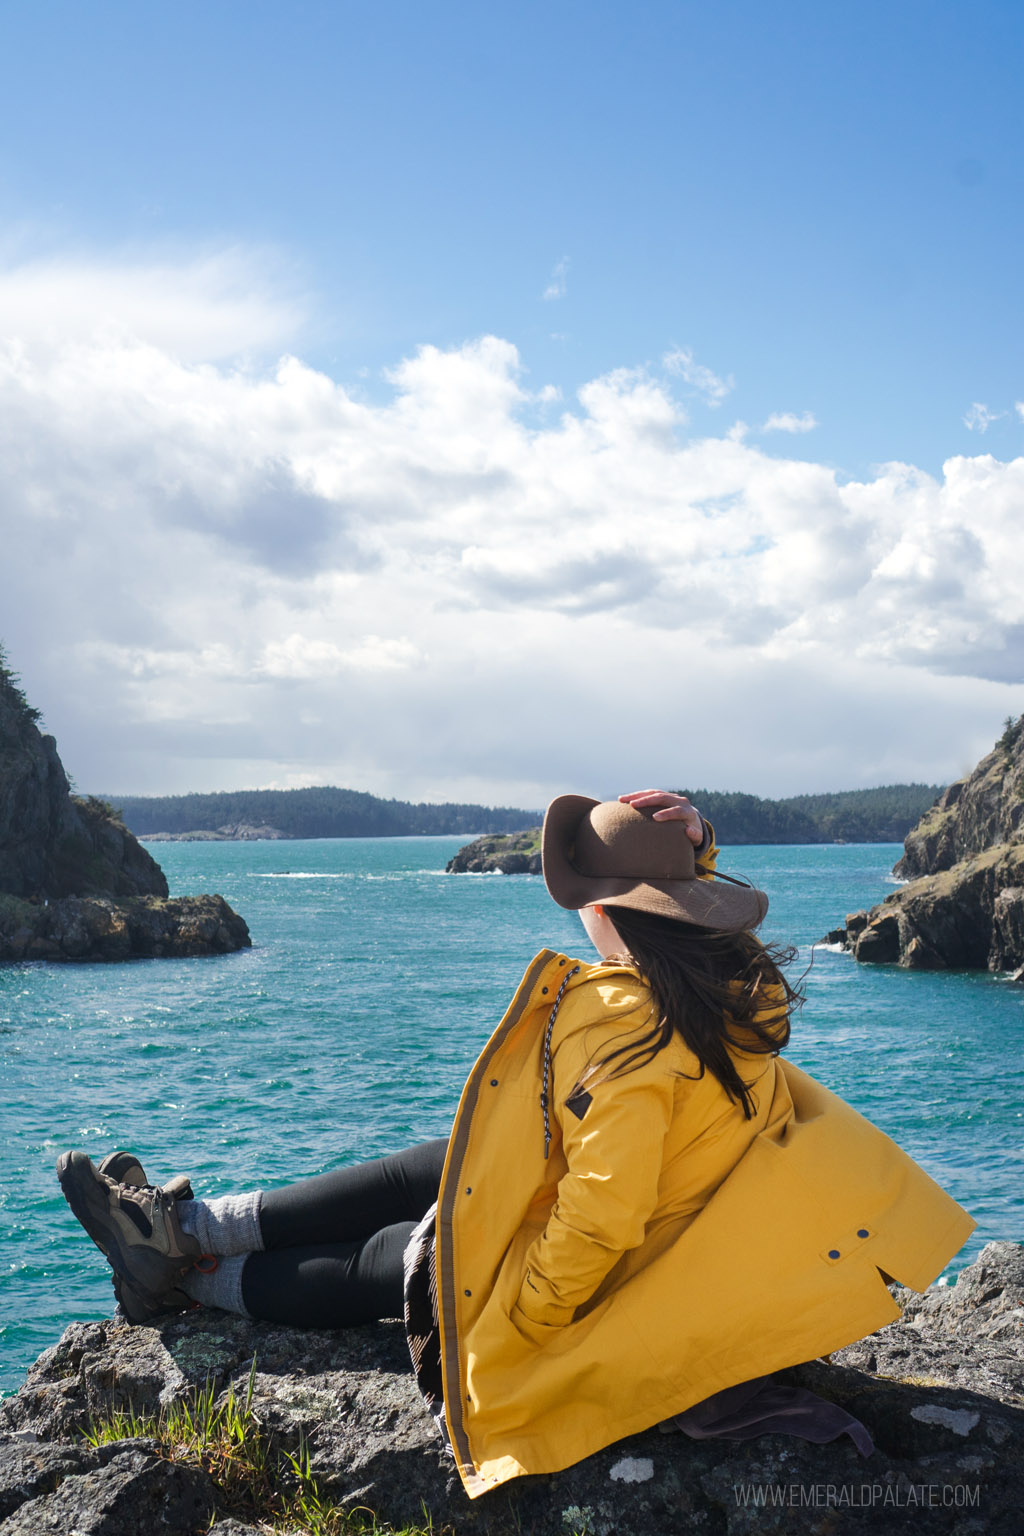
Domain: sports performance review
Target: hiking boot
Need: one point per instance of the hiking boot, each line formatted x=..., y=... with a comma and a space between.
x=125, y=1168
x=136, y=1228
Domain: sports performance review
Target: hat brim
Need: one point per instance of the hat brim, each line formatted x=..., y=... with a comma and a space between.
x=709, y=902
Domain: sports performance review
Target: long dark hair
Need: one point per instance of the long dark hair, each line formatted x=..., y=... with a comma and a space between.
x=713, y=987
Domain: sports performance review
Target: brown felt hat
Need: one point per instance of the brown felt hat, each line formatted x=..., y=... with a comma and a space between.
x=605, y=850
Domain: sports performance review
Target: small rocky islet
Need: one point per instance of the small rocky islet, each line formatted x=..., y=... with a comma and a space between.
x=505, y=853
x=74, y=882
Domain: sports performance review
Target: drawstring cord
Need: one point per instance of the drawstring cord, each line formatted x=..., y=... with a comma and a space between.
x=547, y=1058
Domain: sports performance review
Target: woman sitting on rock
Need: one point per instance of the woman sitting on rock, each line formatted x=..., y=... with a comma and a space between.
x=642, y=1208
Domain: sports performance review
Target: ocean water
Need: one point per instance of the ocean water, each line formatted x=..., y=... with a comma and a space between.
x=349, y=1028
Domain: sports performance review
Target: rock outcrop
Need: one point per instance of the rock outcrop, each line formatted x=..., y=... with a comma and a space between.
x=75, y=884
x=965, y=909
x=140, y=927
x=508, y=853
x=942, y=1392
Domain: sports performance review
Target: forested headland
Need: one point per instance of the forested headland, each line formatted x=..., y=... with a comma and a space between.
x=323, y=811
x=883, y=815
x=854, y=816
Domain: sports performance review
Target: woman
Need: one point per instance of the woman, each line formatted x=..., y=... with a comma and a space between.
x=641, y=1207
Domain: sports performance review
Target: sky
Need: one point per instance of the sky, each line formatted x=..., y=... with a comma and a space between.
x=490, y=401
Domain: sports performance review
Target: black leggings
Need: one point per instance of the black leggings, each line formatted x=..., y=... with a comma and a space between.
x=333, y=1244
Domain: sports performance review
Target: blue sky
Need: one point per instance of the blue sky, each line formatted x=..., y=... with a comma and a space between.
x=788, y=235
x=823, y=201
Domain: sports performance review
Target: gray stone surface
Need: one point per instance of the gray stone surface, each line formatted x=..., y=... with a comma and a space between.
x=135, y=1494
x=942, y=1391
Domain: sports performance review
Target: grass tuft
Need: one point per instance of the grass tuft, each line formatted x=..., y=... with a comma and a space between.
x=255, y=1482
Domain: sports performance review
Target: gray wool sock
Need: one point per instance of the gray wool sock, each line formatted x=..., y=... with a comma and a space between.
x=226, y=1226
x=222, y=1288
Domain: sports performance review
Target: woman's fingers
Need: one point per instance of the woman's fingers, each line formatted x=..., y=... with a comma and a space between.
x=668, y=807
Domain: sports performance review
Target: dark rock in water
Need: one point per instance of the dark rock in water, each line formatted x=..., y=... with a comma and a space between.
x=91, y=928
x=75, y=884
x=508, y=853
x=966, y=908
x=942, y=1391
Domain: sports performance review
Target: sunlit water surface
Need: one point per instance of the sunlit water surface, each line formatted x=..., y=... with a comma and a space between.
x=348, y=1030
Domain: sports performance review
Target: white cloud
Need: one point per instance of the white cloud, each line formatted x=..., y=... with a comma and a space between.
x=680, y=362
x=298, y=657
x=211, y=307
x=978, y=418
x=219, y=575
x=556, y=287
x=788, y=421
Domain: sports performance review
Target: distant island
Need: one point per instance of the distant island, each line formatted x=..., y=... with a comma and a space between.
x=324, y=811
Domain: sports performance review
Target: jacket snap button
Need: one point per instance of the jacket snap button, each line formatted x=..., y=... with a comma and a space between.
x=561, y=962
x=469, y=1189
x=494, y=1082
x=833, y=1253
x=544, y=991
x=863, y=1232
x=468, y=1293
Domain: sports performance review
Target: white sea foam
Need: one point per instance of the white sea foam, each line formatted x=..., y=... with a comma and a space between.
x=307, y=874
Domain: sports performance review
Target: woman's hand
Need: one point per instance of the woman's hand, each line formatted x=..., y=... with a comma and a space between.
x=670, y=808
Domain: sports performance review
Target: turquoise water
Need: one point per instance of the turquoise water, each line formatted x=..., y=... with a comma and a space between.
x=348, y=1029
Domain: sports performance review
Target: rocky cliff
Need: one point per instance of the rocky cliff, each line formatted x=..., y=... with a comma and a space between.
x=982, y=811
x=53, y=843
x=941, y=1390
x=74, y=882
x=965, y=909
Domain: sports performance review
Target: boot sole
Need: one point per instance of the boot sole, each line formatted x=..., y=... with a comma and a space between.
x=144, y=1271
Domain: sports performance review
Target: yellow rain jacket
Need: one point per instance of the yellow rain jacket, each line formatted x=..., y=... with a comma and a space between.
x=666, y=1247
